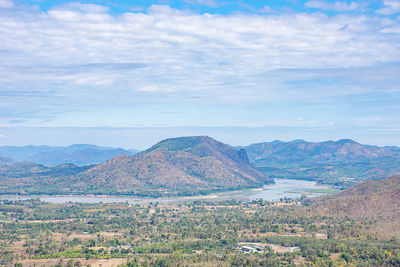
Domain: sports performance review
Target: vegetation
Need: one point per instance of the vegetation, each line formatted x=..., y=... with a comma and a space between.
x=174, y=167
x=343, y=163
x=196, y=165
x=377, y=200
x=32, y=178
x=199, y=233
x=357, y=227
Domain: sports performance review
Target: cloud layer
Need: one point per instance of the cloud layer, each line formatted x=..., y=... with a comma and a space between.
x=335, y=6
x=390, y=7
x=6, y=4
x=58, y=66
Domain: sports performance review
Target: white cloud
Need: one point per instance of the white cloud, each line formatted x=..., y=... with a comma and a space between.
x=334, y=6
x=266, y=9
x=93, y=80
x=76, y=57
x=154, y=88
x=375, y=119
x=6, y=4
x=149, y=88
x=390, y=7
x=2, y=136
x=209, y=3
x=136, y=8
x=87, y=8
x=78, y=12
x=191, y=48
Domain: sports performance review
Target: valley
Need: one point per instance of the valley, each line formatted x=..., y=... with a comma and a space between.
x=199, y=133
x=194, y=233
x=281, y=189
x=194, y=201
x=197, y=165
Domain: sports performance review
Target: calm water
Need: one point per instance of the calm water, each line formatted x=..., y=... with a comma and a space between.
x=281, y=189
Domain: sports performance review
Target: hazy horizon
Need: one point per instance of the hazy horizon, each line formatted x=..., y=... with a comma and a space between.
x=144, y=137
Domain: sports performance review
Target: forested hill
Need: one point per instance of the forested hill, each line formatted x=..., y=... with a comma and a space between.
x=375, y=200
x=176, y=166
x=342, y=162
x=33, y=178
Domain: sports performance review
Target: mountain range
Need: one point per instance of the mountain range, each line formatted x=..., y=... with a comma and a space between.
x=177, y=166
x=31, y=178
x=189, y=165
x=342, y=163
x=79, y=154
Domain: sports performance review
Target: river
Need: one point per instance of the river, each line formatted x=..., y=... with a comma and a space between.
x=282, y=188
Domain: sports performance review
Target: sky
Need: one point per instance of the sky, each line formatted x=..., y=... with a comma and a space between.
x=130, y=73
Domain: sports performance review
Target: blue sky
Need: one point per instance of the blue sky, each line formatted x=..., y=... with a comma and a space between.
x=227, y=7
x=240, y=71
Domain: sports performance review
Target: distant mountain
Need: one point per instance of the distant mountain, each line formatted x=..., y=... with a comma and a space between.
x=343, y=162
x=177, y=166
x=192, y=165
x=29, y=169
x=31, y=178
x=79, y=154
x=378, y=201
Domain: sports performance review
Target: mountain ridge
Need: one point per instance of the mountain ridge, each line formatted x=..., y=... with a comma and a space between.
x=183, y=165
x=190, y=164
x=78, y=154
x=342, y=163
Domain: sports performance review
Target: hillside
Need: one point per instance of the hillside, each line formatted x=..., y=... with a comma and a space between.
x=28, y=177
x=342, y=163
x=192, y=165
x=4, y=159
x=176, y=166
x=79, y=154
x=378, y=201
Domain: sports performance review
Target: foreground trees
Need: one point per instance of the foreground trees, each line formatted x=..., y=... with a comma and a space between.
x=191, y=234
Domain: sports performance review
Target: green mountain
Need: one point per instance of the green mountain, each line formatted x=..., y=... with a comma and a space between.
x=176, y=166
x=342, y=163
x=79, y=154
